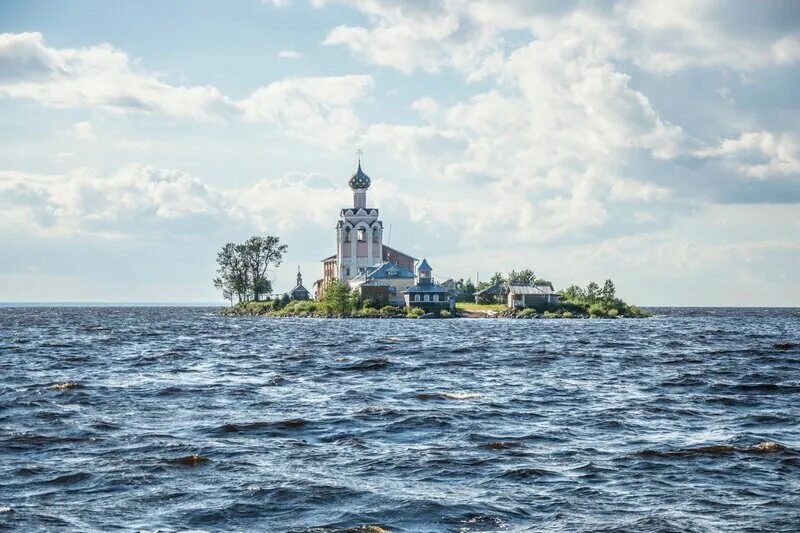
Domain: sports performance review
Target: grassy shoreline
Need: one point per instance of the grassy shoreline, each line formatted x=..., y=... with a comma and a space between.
x=313, y=309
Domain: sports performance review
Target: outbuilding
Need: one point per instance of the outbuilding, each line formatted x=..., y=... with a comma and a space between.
x=521, y=296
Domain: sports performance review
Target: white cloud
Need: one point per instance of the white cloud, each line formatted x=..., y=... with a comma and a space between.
x=467, y=35
x=758, y=154
x=316, y=109
x=290, y=54
x=99, y=76
x=83, y=131
x=137, y=200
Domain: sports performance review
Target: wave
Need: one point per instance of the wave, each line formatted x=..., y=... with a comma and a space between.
x=762, y=448
x=448, y=395
x=365, y=364
x=66, y=385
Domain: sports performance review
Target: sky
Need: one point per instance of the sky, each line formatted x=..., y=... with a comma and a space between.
x=653, y=143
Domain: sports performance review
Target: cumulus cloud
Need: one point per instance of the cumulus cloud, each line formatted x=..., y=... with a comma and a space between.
x=99, y=76
x=758, y=154
x=316, y=109
x=140, y=200
x=310, y=108
x=83, y=130
x=290, y=54
x=467, y=35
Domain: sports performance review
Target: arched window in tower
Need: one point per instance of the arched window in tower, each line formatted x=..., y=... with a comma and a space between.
x=376, y=235
x=347, y=235
x=362, y=234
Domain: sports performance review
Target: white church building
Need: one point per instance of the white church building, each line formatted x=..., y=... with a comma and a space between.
x=359, y=240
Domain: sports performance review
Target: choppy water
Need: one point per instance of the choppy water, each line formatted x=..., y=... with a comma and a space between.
x=175, y=418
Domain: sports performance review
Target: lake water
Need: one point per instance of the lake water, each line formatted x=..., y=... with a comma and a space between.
x=176, y=418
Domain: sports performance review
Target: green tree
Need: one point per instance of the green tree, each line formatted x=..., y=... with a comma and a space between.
x=468, y=293
x=608, y=293
x=337, y=299
x=261, y=253
x=242, y=267
x=232, y=273
x=592, y=292
x=523, y=277
x=497, y=279
x=573, y=294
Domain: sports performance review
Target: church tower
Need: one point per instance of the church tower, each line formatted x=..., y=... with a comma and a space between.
x=359, y=233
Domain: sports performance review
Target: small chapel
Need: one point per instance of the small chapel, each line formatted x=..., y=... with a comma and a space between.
x=359, y=242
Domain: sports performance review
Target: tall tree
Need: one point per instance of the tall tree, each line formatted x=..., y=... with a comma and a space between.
x=468, y=293
x=609, y=292
x=497, y=279
x=242, y=268
x=261, y=253
x=592, y=292
x=523, y=277
x=232, y=272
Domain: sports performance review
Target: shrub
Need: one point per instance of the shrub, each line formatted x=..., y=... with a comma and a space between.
x=390, y=310
x=369, y=303
x=549, y=314
x=445, y=314
x=612, y=313
x=635, y=312
x=415, y=312
x=567, y=314
x=259, y=308
x=597, y=310
x=527, y=313
x=367, y=312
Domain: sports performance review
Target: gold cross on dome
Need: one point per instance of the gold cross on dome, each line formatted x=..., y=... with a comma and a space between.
x=359, y=153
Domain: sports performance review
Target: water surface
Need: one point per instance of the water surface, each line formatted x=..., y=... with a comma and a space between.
x=175, y=418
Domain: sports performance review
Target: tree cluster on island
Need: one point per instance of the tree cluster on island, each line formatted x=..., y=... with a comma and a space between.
x=242, y=268
x=339, y=301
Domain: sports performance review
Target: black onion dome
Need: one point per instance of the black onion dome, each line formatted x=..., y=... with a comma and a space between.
x=359, y=180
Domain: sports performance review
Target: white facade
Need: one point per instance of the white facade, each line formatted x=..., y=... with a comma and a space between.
x=359, y=240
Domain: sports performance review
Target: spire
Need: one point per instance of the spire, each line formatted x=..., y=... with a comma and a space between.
x=299, y=276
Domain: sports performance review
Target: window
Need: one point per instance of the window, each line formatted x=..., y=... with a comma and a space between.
x=347, y=235
x=427, y=297
x=391, y=272
x=362, y=234
x=347, y=271
x=375, y=235
x=416, y=297
x=435, y=297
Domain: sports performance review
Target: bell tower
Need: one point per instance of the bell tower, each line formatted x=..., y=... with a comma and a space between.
x=359, y=233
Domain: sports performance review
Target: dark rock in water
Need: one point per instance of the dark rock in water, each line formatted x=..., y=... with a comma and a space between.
x=503, y=445
x=783, y=345
x=67, y=385
x=366, y=364
x=292, y=423
x=762, y=448
x=190, y=460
